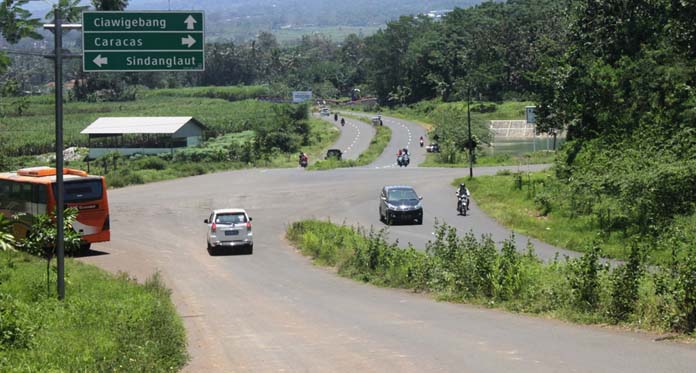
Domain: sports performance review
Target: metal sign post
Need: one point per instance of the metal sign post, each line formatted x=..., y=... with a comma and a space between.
x=58, y=56
x=470, y=142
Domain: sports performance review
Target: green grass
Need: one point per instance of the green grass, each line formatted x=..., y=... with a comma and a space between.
x=141, y=170
x=517, y=210
x=374, y=150
x=231, y=93
x=432, y=160
x=33, y=132
x=322, y=134
x=473, y=270
x=105, y=323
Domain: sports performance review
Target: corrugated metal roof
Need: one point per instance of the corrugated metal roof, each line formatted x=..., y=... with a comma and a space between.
x=119, y=125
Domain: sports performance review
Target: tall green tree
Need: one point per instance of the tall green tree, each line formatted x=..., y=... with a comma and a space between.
x=70, y=10
x=110, y=5
x=15, y=23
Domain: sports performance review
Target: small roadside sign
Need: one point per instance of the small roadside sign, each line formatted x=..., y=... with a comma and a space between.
x=301, y=96
x=143, y=41
x=530, y=113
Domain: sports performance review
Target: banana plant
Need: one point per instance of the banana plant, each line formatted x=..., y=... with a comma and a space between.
x=7, y=240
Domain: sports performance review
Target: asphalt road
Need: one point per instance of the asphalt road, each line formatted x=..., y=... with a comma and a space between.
x=275, y=311
x=355, y=137
x=405, y=134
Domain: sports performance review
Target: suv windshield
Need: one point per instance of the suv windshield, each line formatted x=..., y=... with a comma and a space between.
x=81, y=190
x=402, y=194
x=230, y=218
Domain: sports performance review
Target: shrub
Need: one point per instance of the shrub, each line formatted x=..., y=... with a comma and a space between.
x=583, y=275
x=16, y=328
x=542, y=200
x=625, y=281
x=150, y=163
x=484, y=107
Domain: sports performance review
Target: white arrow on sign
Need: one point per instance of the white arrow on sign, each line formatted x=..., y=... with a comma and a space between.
x=99, y=60
x=190, y=21
x=188, y=41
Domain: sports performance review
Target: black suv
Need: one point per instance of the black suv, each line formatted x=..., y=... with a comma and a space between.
x=400, y=203
x=334, y=153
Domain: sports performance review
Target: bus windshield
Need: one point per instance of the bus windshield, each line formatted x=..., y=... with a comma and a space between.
x=81, y=190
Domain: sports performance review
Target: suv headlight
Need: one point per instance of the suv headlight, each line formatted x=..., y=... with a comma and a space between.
x=418, y=206
x=392, y=207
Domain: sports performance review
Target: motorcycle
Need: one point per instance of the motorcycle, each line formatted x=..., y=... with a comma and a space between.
x=303, y=162
x=462, y=204
x=421, y=143
x=335, y=117
x=343, y=122
x=403, y=160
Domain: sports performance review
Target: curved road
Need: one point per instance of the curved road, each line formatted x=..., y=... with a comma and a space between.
x=274, y=310
x=355, y=137
x=405, y=134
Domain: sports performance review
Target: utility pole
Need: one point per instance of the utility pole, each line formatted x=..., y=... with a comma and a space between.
x=57, y=56
x=470, y=142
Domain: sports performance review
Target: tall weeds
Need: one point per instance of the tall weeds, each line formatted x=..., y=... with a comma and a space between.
x=479, y=270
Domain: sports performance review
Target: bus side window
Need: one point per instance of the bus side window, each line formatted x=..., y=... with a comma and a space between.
x=38, y=198
x=4, y=193
x=14, y=201
x=41, y=198
x=25, y=197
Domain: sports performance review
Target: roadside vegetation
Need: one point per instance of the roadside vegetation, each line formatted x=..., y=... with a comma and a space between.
x=226, y=152
x=538, y=205
x=377, y=145
x=240, y=134
x=105, y=322
x=474, y=270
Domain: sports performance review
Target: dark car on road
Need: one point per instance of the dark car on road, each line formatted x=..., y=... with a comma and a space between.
x=432, y=148
x=334, y=153
x=400, y=203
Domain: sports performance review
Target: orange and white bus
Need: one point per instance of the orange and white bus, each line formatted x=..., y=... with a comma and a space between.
x=32, y=191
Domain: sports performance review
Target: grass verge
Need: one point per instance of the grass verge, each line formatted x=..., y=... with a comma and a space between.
x=523, y=210
x=377, y=146
x=467, y=269
x=105, y=323
x=543, y=157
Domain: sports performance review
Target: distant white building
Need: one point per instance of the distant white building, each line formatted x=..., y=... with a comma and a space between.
x=143, y=135
x=437, y=14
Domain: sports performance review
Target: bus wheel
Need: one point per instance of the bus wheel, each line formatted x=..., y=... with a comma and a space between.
x=84, y=247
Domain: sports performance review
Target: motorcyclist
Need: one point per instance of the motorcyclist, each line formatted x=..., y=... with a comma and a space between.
x=421, y=141
x=303, y=159
x=343, y=122
x=463, y=191
x=335, y=117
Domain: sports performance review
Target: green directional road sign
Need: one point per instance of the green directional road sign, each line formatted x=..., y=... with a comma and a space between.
x=143, y=41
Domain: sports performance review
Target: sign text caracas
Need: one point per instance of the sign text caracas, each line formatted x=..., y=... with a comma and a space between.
x=143, y=41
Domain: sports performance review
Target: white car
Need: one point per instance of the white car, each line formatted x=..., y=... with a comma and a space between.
x=324, y=112
x=229, y=228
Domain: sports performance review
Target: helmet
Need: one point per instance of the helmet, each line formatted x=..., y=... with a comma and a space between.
x=462, y=185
